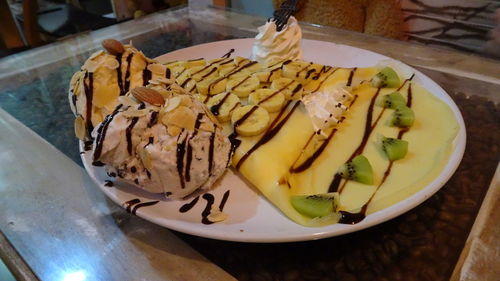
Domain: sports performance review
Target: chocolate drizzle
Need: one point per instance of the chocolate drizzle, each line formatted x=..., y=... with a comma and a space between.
x=309, y=161
x=208, y=73
x=127, y=73
x=216, y=107
x=146, y=75
x=228, y=54
x=296, y=89
x=351, y=76
x=153, y=119
x=368, y=127
x=189, y=153
x=119, y=74
x=185, y=82
x=130, y=203
x=208, y=208
x=224, y=200
x=211, y=153
x=309, y=72
x=89, y=95
x=128, y=134
x=235, y=143
x=352, y=218
x=188, y=206
x=101, y=133
x=73, y=100
x=275, y=93
x=326, y=78
x=181, y=148
x=298, y=72
x=241, y=82
x=239, y=69
x=267, y=136
x=210, y=201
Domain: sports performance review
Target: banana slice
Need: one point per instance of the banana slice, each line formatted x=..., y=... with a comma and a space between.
x=222, y=105
x=220, y=61
x=240, y=60
x=245, y=69
x=271, y=100
x=200, y=97
x=290, y=88
x=193, y=63
x=242, y=86
x=292, y=70
x=188, y=83
x=268, y=75
x=176, y=70
x=255, y=123
x=211, y=87
x=308, y=73
x=200, y=73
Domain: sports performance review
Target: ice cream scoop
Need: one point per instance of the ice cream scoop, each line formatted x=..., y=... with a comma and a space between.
x=106, y=75
x=272, y=45
x=165, y=143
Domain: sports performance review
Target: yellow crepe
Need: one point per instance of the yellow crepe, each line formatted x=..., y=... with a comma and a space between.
x=430, y=143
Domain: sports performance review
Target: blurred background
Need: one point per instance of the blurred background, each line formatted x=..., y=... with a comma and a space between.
x=465, y=25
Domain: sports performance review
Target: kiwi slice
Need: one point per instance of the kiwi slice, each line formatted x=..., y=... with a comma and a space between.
x=395, y=149
x=359, y=169
x=402, y=117
x=393, y=100
x=387, y=77
x=317, y=205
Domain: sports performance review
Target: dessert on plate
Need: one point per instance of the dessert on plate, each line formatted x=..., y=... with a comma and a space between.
x=106, y=75
x=324, y=144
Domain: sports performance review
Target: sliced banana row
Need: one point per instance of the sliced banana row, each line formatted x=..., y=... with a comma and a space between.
x=231, y=87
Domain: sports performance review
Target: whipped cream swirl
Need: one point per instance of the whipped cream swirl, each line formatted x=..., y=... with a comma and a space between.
x=271, y=45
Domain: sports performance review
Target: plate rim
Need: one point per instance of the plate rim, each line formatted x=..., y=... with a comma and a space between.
x=316, y=233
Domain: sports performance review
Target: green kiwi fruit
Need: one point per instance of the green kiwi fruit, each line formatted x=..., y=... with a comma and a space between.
x=393, y=100
x=395, y=149
x=317, y=205
x=359, y=169
x=387, y=77
x=402, y=117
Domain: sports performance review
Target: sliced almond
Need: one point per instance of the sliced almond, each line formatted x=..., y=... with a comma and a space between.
x=113, y=47
x=164, y=80
x=127, y=101
x=157, y=68
x=170, y=147
x=80, y=129
x=207, y=126
x=90, y=65
x=173, y=130
x=96, y=54
x=186, y=100
x=111, y=64
x=172, y=104
x=182, y=117
x=216, y=215
x=148, y=95
x=133, y=112
x=146, y=158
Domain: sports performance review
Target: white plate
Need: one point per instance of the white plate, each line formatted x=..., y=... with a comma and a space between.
x=251, y=217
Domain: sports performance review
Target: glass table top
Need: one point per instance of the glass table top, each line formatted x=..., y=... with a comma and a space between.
x=59, y=223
